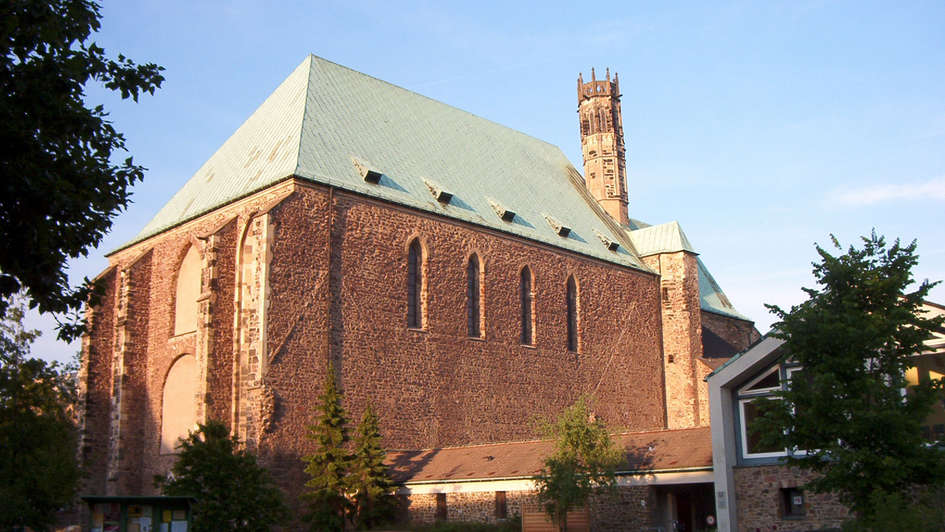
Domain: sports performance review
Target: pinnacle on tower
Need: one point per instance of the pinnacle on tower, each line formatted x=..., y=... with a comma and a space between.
x=605, y=166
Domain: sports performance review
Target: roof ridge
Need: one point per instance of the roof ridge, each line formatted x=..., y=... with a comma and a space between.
x=308, y=87
x=605, y=217
x=405, y=89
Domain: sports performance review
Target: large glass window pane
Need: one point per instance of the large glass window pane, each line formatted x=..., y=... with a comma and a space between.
x=752, y=439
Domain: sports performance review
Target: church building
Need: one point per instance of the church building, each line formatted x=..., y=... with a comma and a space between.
x=462, y=277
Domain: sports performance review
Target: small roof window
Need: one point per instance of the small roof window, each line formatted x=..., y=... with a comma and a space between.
x=505, y=213
x=559, y=227
x=612, y=245
x=368, y=173
x=441, y=194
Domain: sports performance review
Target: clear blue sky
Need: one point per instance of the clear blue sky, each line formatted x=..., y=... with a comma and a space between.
x=760, y=127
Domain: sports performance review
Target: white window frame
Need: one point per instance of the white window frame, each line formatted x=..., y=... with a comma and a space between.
x=745, y=391
x=743, y=426
x=788, y=375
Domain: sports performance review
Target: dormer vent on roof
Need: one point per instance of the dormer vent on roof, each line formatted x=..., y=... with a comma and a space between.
x=370, y=174
x=559, y=228
x=611, y=244
x=442, y=195
x=506, y=214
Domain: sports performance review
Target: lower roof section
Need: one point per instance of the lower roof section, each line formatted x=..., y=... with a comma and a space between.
x=654, y=457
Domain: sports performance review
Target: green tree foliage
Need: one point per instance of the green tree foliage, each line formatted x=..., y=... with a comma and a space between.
x=374, y=502
x=329, y=465
x=854, y=337
x=584, y=462
x=59, y=189
x=38, y=440
x=233, y=492
x=918, y=512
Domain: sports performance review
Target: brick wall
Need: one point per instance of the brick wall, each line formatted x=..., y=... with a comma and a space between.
x=631, y=508
x=759, y=505
x=95, y=386
x=220, y=324
x=140, y=336
x=129, y=366
x=739, y=333
x=476, y=507
x=682, y=341
x=434, y=387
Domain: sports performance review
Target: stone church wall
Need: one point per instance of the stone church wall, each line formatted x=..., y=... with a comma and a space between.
x=436, y=386
x=431, y=387
x=95, y=385
x=131, y=347
x=682, y=343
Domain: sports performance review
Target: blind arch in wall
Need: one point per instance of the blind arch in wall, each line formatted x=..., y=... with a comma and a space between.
x=188, y=289
x=179, y=402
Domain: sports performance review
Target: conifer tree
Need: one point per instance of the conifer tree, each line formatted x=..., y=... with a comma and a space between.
x=329, y=465
x=374, y=504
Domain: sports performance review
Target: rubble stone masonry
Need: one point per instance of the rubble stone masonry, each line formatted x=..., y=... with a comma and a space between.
x=281, y=293
x=682, y=335
x=630, y=508
x=738, y=333
x=761, y=509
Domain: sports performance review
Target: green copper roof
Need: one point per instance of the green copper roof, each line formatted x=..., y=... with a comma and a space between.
x=711, y=296
x=669, y=238
x=330, y=125
x=663, y=238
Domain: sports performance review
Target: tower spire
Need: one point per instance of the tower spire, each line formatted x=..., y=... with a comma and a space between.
x=605, y=165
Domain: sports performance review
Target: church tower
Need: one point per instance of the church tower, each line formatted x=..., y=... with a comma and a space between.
x=605, y=163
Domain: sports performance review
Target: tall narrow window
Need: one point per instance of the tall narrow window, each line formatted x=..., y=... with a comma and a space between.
x=415, y=285
x=501, y=505
x=441, y=511
x=572, y=300
x=473, y=302
x=525, y=291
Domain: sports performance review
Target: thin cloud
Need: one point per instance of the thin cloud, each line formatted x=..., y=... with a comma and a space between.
x=933, y=189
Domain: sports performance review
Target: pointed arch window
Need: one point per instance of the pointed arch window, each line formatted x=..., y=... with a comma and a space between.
x=526, y=293
x=573, y=302
x=474, y=297
x=187, y=291
x=415, y=285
